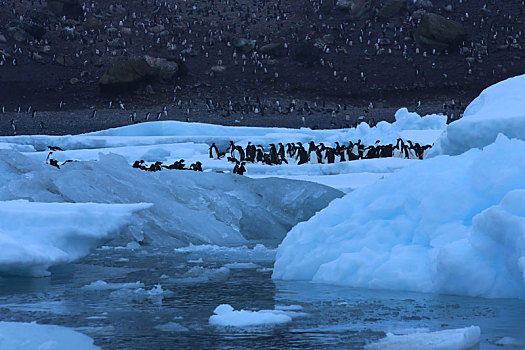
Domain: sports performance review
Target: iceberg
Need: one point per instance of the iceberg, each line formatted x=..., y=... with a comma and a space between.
x=35, y=236
x=188, y=207
x=499, y=109
x=445, y=225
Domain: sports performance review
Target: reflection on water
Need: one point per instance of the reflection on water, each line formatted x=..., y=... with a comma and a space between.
x=124, y=318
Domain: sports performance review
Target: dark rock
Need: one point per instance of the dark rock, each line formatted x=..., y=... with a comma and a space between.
x=92, y=23
x=127, y=74
x=218, y=69
x=17, y=33
x=244, y=45
x=423, y=4
x=68, y=8
x=273, y=49
x=392, y=8
x=439, y=32
x=3, y=39
x=344, y=4
x=361, y=9
x=165, y=69
x=64, y=60
x=35, y=30
x=117, y=43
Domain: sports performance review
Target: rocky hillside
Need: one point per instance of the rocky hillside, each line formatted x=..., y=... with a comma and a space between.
x=139, y=51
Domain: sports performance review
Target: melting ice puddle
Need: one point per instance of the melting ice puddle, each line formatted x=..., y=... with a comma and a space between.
x=116, y=316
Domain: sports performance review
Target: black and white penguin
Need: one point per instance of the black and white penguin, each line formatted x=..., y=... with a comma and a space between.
x=273, y=154
x=214, y=151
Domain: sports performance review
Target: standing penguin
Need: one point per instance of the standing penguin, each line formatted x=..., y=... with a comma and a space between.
x=273, y=154
x=282, y=154
x=214, y=151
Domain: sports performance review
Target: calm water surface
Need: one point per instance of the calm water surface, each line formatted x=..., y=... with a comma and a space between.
x=336, y=317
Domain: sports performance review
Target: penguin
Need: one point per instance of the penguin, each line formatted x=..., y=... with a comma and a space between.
x=240, y=153
x=398, y=151
x=214, y=151
x=54, y=163
x=259, y=154
x=312, y=153
x=236, y=168
x=282, y=154
x=273, y=154
x=250, y=152
x=241, y=169
x=302, y=155
x=54, y=148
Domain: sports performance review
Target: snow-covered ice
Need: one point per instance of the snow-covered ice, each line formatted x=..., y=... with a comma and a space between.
x=35, y=236
x=225, y=315
x=498, y=109
x=447, y=225
x=188, y=207
x=450, y=339
x=33, y=336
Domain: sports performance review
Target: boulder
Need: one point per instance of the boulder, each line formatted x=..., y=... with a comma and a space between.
x=92, y=23
x=392, y=8
x=344, y=4
x=244, y=45
x=273, y=49
x=439, y=32
x=165, y=69
x=64, y=60
x=35, y=30
x=218, y=68
x=359, y=9
x=17, y=33
x=423, y=4
x=67, y=8
x=127, y=74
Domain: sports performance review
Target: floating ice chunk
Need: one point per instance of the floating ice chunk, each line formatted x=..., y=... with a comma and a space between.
x=510, y=342
x=140, y=295
x=288, y=307
x=451, y=339
x=225, y=315
x=31, y=336
x=199, y=274
x=103, y=285
x=171, y=327
x=243, y=253
x=47, y=234
x=238, y=265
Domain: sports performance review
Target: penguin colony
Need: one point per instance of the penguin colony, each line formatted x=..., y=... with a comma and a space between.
x=293, y=153
x=296, y=153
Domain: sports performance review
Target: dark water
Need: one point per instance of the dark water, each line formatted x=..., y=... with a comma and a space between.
x=336, y=317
